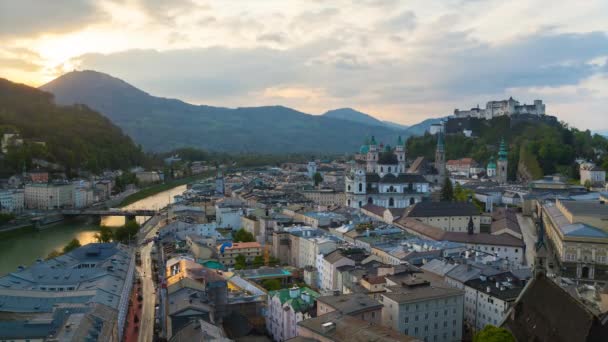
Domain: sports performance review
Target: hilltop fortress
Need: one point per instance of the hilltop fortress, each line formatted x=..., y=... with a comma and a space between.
x=505, y=107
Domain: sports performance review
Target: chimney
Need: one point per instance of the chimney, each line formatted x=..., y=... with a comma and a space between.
x=327, y=327
x=488, y=289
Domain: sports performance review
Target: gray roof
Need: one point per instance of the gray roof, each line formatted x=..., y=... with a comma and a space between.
x=351, y=303
x=587, y=208
x=406, y=294
x=434, y=209
x=89, y=281
x=350, y=329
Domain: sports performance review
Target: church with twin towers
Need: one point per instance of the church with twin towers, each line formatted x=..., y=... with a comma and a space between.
x=379, y=176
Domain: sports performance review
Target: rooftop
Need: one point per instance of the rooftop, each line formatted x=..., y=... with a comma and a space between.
x=351, y=303
x=335, y=326
x=434, y=209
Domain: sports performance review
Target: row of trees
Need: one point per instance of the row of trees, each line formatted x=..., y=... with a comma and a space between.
x=122, y=234
x=240, y=262
x=70, y=246
x=457, y=193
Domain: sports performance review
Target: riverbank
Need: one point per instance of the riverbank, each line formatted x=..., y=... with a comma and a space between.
x=158, y=188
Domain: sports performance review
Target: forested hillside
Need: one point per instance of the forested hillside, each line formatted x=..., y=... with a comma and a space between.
x=75, y=137
x=544, y=148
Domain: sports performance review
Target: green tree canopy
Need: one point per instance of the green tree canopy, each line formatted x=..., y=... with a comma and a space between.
x=72, y=245
x=271, y=284
x=105, y=235
x=240, y=262
x=242, y=235
x=317, y=178
x=491, y=333
x=447, y=192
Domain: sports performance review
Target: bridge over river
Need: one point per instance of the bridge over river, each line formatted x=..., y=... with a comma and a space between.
x=97, y=212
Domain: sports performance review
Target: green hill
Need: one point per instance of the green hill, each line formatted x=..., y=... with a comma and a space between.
x=75, y=137
x=543, y=147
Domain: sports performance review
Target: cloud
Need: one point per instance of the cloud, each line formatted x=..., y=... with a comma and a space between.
x=404, y=21
x=277, y=38
x=31, y=17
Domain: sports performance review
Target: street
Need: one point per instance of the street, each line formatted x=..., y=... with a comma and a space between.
x=528, y=231
x=148, y=282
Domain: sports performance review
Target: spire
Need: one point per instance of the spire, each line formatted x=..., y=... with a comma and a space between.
x=440, y=142
x=502, y=152
x=373, y=141
x=399, y=141
x=471, y=226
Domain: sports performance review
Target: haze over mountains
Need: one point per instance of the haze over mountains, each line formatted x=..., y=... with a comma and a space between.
x=161, y=124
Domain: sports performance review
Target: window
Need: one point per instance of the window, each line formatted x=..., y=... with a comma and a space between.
x=406, y=320
x=360, y=186
x=416, y=318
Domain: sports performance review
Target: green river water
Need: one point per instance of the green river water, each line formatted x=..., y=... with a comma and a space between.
x=22, y=248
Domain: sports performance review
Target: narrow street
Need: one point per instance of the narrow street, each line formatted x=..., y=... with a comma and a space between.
x=148, y=281
x=528, y=231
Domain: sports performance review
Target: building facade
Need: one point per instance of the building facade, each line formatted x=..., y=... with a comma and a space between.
x=48, y=196
x=429, y=313
x=286, y=308
x=379, y=177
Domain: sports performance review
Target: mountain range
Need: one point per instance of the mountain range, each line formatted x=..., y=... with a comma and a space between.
x=162, y=124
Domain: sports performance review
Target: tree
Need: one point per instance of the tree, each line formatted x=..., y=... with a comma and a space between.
x=72, y=245
x=587, y=184
x=53, y=254
x=447, y=192
x=317, y=178
x=105, y=235
x=258, y=261
x=127, y=232
x=271, y=284
x=242, y=235
x=272, y=261
x=491, y=333
x=240, y=262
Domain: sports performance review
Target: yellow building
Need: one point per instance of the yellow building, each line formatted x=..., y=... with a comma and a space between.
x=578, y=231
x=227, y=253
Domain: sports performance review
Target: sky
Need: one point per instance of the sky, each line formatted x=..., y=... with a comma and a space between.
x=402, y=61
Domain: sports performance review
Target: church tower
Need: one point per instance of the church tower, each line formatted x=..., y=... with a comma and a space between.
x=501, y=165
x=440, y=157
x=372, y=155
x=219, y=182
x=400, y=153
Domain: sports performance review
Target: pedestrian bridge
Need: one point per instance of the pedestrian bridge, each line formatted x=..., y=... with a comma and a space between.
x=96, y=212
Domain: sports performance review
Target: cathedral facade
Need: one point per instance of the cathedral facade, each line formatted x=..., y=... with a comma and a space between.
x=378, y=176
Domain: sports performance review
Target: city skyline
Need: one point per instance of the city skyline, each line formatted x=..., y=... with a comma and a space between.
x=395, y=61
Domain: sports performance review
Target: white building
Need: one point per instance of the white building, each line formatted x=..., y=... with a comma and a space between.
x=49, y=196
x=12, y=201
x=379, y=177
x=228, y=213
x=311, y=169
x=505, y=107
x=593, y=174
x=83, y=197
x=286, y=308
x=328, y=274
x=487, y=299
x=310, y=247
x=429, y=313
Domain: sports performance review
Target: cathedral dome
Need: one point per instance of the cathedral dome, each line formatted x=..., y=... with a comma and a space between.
x=364, y=149
x=492, y=164
x=387, y=148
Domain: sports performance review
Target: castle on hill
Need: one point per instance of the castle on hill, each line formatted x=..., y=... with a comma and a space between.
x=499, y=108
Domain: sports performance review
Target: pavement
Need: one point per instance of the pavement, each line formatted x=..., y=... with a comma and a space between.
x=528, y=230
x=131, y=333
x=148, y=285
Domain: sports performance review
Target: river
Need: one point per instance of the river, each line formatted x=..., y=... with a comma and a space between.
x=24, y=248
